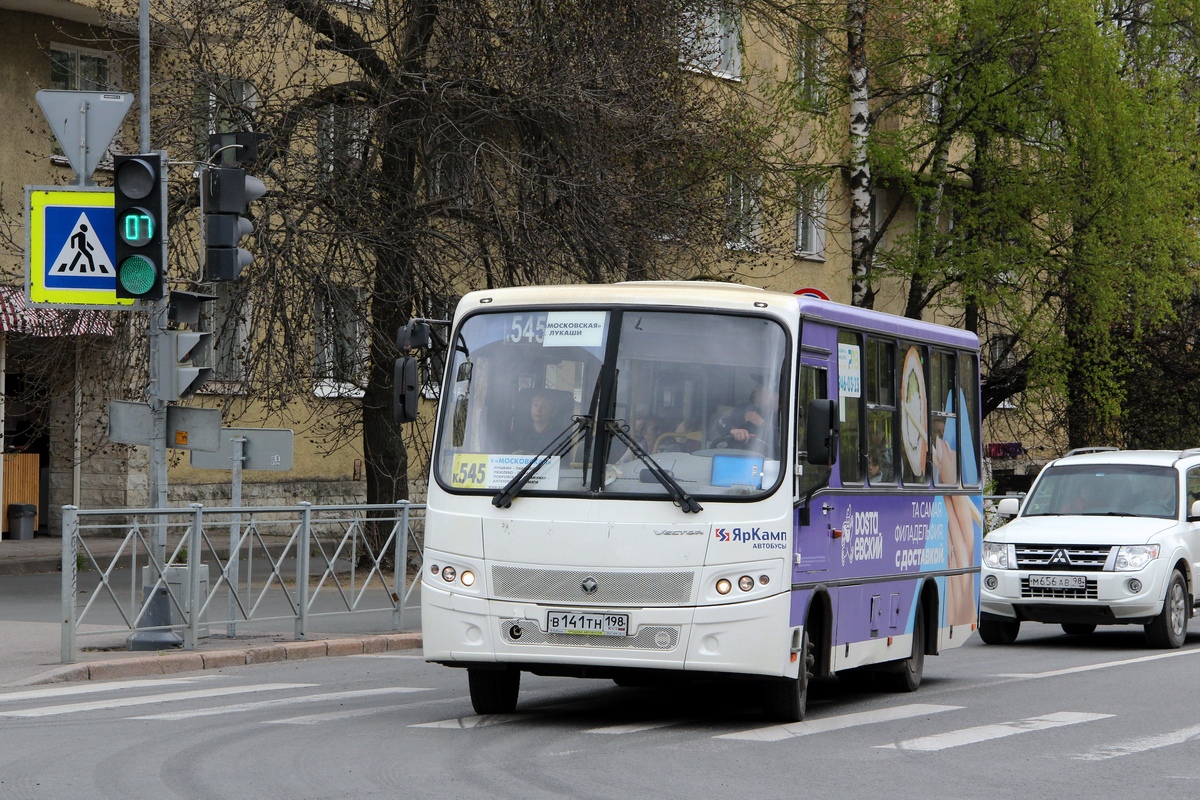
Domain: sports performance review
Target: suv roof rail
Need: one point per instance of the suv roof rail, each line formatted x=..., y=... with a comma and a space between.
x=1191, y=451
x=1078, y=451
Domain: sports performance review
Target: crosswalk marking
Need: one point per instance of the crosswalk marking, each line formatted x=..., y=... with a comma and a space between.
x=479, y=721
x=282, y=701
x=775, y=733
x=636, y=727
x=334, y=716
x=1142, y=745
x=983, y=733
x=90, y=688
x=148, y=699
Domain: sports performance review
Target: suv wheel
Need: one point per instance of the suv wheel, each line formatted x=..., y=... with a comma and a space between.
x=1169, y=629
x=999, y=631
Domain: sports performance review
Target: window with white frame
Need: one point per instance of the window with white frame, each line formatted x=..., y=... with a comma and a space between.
x=810, y=221
x=810, y=67
x=341, y=348
x=343, y=138
x=81, y=69
x=228, y=108
x=228, y=318
x=712, y=41
x=742, y=211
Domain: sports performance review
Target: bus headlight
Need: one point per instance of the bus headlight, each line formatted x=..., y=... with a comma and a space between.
x=448, y=574
x=467, y=578
x=1131, y=558
x=723, y=586
x=745, y=583
x=995, y=555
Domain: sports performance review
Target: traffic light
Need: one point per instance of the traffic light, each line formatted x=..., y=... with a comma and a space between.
x=227, y=191
x=140, y=206
x=178, y=376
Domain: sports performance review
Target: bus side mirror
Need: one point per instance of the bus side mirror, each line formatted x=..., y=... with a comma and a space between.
x=413, y=336
x=405, y=390
x=1008, y=507
x=821, y=432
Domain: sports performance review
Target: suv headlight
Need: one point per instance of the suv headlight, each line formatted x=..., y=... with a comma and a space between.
x=995, y=555
x=1133, y=557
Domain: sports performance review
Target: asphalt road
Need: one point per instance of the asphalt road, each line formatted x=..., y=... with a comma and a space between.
x=1051, y=716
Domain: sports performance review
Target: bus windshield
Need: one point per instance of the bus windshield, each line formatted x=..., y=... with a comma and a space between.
x=612, y=399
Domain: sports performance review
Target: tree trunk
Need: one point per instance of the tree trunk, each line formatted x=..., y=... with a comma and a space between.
x=862, y=294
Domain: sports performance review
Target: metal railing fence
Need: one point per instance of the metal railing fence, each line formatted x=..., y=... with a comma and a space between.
x=271, y=564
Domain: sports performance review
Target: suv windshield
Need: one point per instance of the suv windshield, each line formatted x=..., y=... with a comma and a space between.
x=1126, y=490
x=698, y=394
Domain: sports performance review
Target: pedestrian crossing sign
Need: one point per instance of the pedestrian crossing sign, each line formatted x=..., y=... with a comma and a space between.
x=71, y=247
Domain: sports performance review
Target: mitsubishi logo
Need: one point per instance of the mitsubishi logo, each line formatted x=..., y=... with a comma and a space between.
x=1060, y=557
x=589, y=585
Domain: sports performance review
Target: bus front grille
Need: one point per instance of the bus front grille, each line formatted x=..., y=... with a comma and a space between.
x=606, y=587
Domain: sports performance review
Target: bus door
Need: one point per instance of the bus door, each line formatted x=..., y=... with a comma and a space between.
x=811, y=523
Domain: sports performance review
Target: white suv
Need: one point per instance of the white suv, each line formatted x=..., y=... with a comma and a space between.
x=1105, y=537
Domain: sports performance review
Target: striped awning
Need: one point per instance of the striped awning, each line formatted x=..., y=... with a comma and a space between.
x=18, y=316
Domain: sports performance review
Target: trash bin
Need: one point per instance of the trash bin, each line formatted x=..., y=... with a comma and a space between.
x=21, y=517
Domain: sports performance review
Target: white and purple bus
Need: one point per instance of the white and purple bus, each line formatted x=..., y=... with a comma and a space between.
x=644, y=479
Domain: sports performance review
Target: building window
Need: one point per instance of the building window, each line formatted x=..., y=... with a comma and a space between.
x=81, y=69
x=742, y=223
x=228, y=318
x=810, y=68
x=341, y=347
x=810, y=222
x=712, y=43
x=228, y=108
x=343, y=139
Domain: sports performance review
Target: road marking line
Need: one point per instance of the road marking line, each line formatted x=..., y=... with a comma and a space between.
x=1103, y=665
x=64, y=691
x=387, y=655
x=776, y=733
x=635, y=727
x=281, y=701
x=983, y=733
x=333, y=716
x=143, y=700
x=1143, y=745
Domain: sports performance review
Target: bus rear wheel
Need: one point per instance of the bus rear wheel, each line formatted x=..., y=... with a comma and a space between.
x=905, y=675
x=786, y=700
x=494, y=691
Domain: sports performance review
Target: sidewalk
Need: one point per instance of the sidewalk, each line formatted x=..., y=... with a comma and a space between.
x=31, y=630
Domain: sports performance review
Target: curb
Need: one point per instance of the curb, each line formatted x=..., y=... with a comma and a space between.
x=168, y=662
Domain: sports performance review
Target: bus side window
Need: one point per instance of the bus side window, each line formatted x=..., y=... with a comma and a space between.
x=943, y=426
x=850, y=406
x=914, y=414
x=968, y=419
x=880, y=388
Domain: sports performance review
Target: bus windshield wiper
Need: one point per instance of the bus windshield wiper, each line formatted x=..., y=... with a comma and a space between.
x=561, y=445
x=677, y=492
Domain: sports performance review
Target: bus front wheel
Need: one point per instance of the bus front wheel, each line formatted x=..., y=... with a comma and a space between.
x=494, y=691
x=786, y=700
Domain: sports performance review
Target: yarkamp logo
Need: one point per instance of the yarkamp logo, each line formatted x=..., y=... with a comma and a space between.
x=763, y=539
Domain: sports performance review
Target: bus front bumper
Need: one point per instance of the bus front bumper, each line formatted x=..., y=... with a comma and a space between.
x=751, y=638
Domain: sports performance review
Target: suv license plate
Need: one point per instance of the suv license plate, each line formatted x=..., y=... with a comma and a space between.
x=1057, y=582
x=587, y=623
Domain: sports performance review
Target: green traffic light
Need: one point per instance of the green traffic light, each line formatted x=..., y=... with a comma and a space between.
x=137, y=274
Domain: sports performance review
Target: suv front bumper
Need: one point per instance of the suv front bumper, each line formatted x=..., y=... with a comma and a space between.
x=1108, y=599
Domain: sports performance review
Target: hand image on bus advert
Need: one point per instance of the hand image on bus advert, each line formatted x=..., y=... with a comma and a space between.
x=914, y=434
x=964, y=521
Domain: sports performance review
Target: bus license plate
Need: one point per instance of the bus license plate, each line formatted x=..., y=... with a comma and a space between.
x=1057, y=582
x=587, y=623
